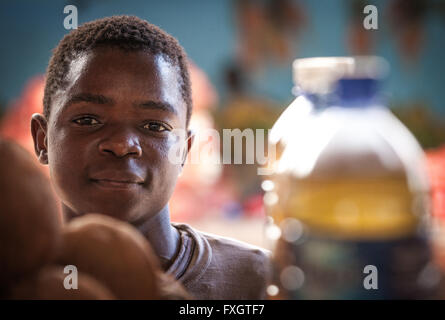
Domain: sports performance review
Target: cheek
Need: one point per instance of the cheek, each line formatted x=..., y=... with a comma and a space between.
x=64, y=158
x=165, y=172
x=57, y=153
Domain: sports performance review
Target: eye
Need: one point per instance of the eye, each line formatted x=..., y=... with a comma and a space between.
x=86, y=121
x=155, y=126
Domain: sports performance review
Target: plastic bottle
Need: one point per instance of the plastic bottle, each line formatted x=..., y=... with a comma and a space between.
x=349, y=192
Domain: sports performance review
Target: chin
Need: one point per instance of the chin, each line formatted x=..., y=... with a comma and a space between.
x=117, y=211
x=120, y=215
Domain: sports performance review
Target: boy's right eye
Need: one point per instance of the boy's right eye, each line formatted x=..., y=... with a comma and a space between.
x=86, y=121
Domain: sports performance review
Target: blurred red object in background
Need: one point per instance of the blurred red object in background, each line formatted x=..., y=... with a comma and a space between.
x=16, y=123
x=436, y=171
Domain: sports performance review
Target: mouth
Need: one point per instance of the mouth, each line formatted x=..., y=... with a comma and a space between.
x=116, y=180
x=116, y=184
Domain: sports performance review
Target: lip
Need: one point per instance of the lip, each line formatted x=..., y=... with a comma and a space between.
x=117, y=179
x=110, y=184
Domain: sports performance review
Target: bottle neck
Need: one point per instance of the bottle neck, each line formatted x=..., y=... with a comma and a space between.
x=348, y=93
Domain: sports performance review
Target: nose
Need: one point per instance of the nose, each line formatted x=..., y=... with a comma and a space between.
x=121, y=144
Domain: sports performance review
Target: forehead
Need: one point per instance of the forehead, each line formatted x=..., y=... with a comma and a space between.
x=124, y=76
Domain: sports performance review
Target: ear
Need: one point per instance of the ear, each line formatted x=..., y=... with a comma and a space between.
x=39, y=135
x=190, y=139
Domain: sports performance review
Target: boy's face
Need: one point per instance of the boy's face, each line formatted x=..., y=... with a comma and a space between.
x=109, y=133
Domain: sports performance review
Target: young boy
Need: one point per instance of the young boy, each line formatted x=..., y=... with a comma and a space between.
x=116, y=89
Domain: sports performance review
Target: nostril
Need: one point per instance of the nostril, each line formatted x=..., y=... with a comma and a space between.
x=137, y=150
x=107, y=151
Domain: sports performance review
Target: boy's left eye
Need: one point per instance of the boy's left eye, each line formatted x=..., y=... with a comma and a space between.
x=155, y=126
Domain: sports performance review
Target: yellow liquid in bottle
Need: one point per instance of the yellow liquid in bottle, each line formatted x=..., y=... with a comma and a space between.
x=348, y=208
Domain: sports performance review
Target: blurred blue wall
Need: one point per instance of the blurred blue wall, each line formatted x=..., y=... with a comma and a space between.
x=206, y=29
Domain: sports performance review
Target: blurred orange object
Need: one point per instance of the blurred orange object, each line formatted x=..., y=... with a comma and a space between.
x=15, y=124
x=436, y=171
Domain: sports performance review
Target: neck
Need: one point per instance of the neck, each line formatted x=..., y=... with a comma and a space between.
x=162, y=236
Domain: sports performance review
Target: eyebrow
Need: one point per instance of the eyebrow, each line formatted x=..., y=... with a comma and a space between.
x=90, y=98
x=157, y=105
x=103, y=100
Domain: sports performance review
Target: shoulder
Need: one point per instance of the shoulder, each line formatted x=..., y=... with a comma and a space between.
x=239, y=270
x=244, y=268
x=229, y=248
x=226, y=249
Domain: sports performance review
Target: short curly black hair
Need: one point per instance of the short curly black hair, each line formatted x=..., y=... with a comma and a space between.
x=128, y=33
